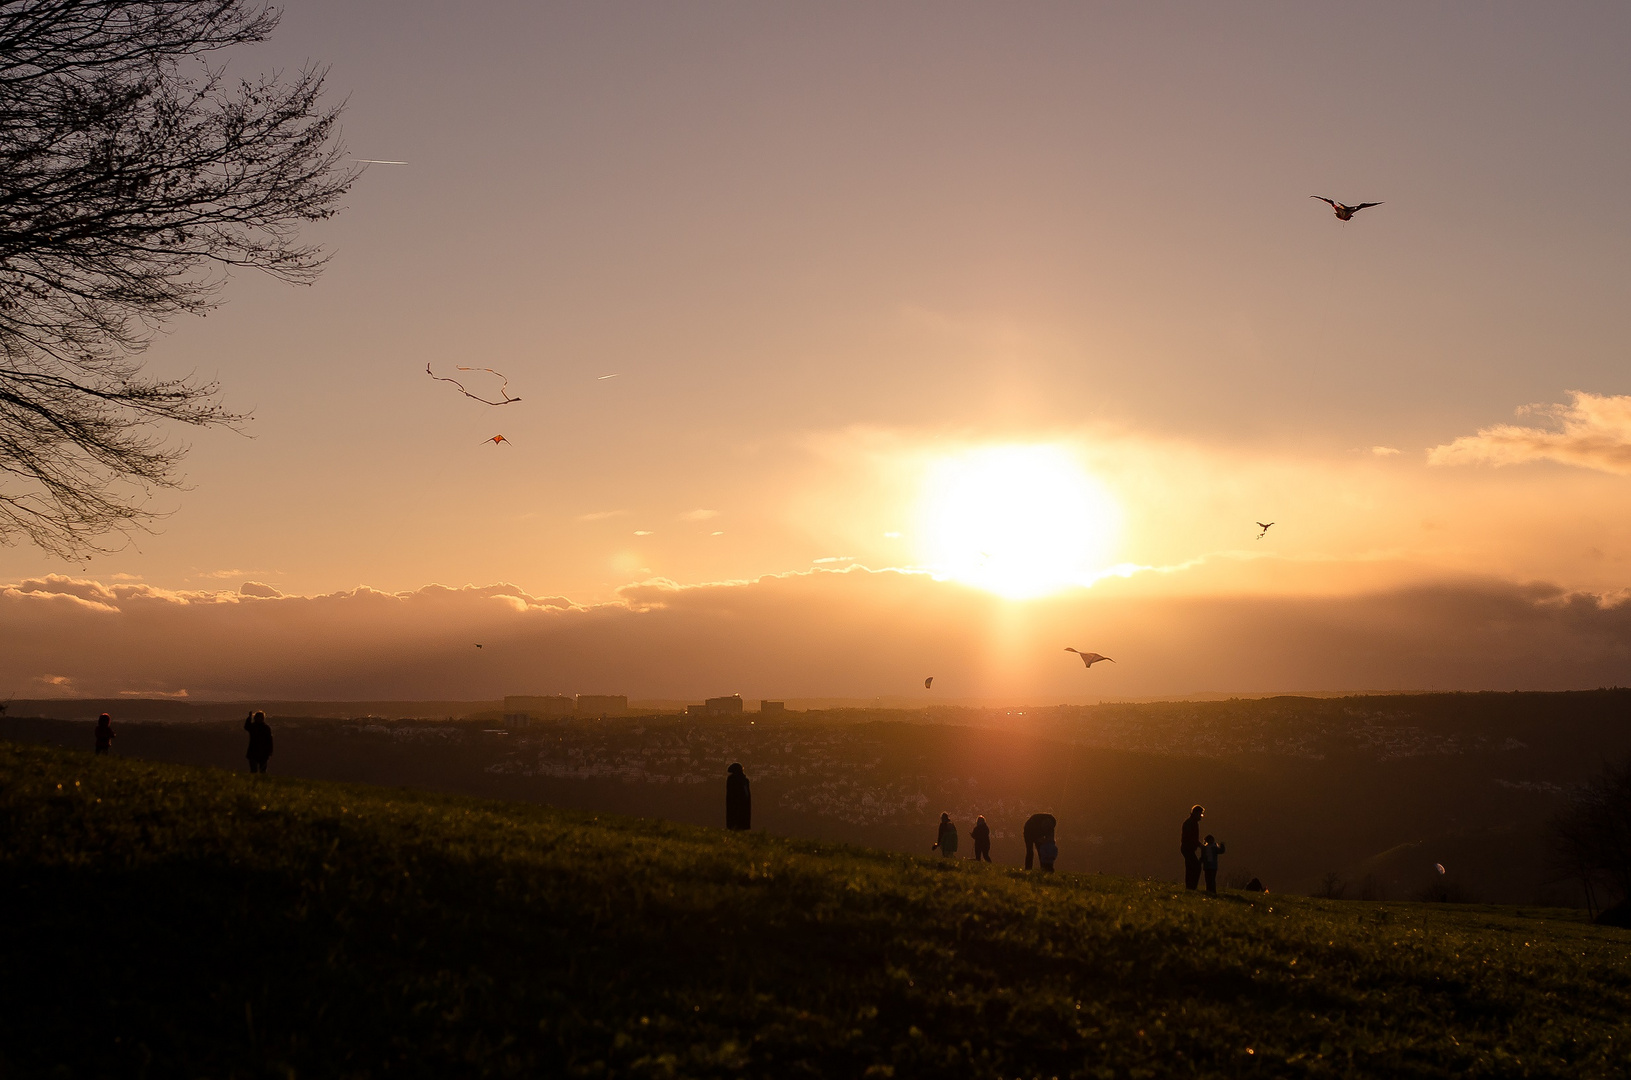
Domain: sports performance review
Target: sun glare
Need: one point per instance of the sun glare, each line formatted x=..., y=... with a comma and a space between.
x=1020, y=521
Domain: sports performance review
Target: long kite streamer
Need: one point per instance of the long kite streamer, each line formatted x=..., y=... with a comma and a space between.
x=504, y=389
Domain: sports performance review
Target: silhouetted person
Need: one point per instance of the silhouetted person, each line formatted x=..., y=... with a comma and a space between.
x=1047, y=851
x=946, y=842
x=1190, y=845
x=104, y=733
x=981, y=834
x=1209, y=862
x=738, y=798
x=1037, y=826
x=260, y=742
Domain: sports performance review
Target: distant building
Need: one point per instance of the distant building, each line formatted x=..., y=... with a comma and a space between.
x=723, y=706
x=524, y=710
x=772, y=708
x=603, y=705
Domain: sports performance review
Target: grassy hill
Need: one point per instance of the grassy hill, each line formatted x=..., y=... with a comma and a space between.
x=162, y=920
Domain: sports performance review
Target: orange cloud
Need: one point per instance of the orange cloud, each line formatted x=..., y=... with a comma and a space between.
x=1595, y=434
x=822, y=633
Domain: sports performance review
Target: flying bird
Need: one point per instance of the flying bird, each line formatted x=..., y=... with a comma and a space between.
x=504, y=388
x=496, y=439
x=1088, y=658
x=1265, y=526
x=1343, y=210
x=928, y=682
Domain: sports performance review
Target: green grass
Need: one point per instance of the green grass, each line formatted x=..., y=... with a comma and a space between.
x=171, y=921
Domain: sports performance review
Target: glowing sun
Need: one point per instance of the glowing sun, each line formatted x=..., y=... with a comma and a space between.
x=1020, y=521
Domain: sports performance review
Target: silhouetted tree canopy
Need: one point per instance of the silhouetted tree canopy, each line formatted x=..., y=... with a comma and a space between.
x=1591, y=840
x=133, y=175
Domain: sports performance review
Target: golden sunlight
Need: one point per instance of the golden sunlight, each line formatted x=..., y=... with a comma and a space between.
x=1019, y=521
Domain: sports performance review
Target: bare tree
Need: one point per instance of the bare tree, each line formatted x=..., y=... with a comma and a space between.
x=133, y=176
x=1332, y=887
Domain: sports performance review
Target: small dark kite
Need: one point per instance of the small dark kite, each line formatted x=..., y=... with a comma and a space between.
x=1344, y=211
x=1088, y=658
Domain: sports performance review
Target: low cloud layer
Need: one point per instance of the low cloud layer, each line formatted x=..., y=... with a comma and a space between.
x=851, y=633
x=1593, y=432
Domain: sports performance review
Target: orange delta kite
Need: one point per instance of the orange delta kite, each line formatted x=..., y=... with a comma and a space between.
x=503, y=390
x=497, y=439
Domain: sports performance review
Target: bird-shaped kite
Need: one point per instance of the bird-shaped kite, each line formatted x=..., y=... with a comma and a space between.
x=1343, y=210
x=478, y=644
x=1088, y=658
x=928, y=682
x=497, y=439
x=1265, y=526
x=503, y=390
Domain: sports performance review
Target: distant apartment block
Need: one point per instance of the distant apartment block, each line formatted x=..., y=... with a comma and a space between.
x=772, y=708
x=717, y=706
x=603, y=705
x=524, y=710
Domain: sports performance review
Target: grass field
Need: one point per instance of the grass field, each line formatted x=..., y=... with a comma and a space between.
x=168, y=921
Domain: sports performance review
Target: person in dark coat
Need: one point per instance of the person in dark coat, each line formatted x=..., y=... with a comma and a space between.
x=260, y=742
x=1190, y=844
x=738, y=798
x=946, y=839
x=982, y=839
x=104, y=733
x=1037, y=826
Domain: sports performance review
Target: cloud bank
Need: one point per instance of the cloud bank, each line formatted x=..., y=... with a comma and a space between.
x=824, y=633
x=1595, y=434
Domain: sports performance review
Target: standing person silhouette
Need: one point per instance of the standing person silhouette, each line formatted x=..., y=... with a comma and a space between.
x=1190, y=844
x=104, y=733
x=981, y=834
x=260, y=741
x=1037, y=826
x=946, y=841
x=1209, y=861
x=738, y=798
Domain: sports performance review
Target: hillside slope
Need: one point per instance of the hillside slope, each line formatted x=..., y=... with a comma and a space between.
x=162, y=920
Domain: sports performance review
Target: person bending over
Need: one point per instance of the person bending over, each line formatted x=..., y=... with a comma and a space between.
x=1037, y=826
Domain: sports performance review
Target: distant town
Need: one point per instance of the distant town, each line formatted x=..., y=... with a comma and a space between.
x=522, y=710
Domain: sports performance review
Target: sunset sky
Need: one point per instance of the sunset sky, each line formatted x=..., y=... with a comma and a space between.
x=1026, y=301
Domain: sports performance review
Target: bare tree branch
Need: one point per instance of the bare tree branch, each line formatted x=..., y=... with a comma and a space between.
x=133, y=176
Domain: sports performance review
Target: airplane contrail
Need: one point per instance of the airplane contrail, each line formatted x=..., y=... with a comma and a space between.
x=613, y=375
x=377, y=161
